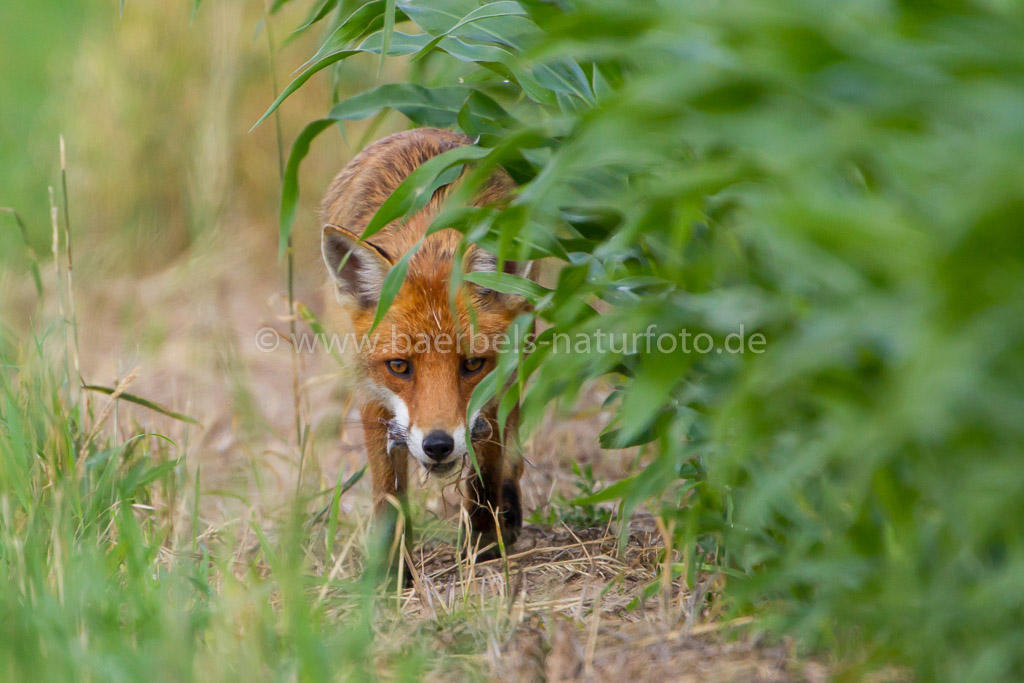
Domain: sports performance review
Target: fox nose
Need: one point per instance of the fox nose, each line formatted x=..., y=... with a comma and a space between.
x=438, y=445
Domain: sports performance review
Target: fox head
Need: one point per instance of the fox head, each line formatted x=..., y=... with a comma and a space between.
x=430, y=351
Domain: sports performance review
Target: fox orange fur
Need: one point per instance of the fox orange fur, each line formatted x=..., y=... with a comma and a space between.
x=415, y=399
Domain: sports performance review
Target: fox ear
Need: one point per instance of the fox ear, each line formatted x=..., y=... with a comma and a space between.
x=357, y=268
x=477, y=260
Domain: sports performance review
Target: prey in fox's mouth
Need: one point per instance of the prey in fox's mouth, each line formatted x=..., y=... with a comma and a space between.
x=442, y=468
x=398, y=437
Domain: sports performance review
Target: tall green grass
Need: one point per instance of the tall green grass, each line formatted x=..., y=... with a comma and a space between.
x=80, y=538
x=107, y=571
x=843, y=178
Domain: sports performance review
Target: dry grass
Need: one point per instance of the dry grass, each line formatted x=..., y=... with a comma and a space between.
x=576, y=610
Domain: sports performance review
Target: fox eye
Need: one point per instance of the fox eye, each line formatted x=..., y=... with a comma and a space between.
x=399, y=367
x=471, y=366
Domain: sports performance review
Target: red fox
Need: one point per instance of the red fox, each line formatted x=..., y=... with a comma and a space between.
x=415, y=395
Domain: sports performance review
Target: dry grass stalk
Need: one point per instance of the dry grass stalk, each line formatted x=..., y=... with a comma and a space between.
x=59, y=278
x=73, y=321
x=300, y=436
x=122, y=386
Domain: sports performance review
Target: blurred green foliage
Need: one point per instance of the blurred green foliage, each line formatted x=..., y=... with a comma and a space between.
x=103, y=578
x=844, y=178
x=36, y=45
x=574, y=512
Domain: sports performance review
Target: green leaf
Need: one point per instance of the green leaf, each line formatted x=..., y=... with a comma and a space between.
x=419, y=186
x=389, y=28
x=564, y=76
x=508, y=29
x=613, y=437
x=392, y=284
x=316, y=15
x=485, y=391
x=502, y=8
x=613, y=492
x=506, y=283
x=301, y=80
x=649, y=393
x=290, y=182
x=508, y=403
x=364, y=20
x=424, y=106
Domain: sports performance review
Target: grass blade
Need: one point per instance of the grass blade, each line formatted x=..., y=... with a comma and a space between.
x=145, y=403
x=33, y=257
